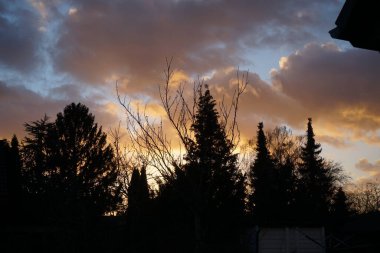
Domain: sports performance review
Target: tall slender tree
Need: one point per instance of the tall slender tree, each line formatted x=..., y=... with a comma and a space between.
x=264, y=182
x=315, y=185
x=138, y=211
x=215, y=182
x=285, y=150
x=138, y=192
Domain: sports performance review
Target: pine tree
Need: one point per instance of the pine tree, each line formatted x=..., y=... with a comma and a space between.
x=216, y=184
x=315, y=187
x=264, y=200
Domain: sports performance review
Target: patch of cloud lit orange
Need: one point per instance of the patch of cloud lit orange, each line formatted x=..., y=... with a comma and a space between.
x=179, y=77
x=152, y=110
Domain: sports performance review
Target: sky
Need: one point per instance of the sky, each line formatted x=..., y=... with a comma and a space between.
x=54, y=52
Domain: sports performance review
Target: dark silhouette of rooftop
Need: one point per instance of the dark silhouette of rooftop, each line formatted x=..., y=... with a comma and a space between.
x=359, y=23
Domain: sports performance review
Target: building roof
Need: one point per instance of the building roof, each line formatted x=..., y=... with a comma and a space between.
x=359, y=23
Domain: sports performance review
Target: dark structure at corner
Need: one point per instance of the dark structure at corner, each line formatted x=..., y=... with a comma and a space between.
x=359, y=23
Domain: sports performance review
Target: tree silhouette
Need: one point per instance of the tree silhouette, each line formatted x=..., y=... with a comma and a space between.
x=138, y=192
x=10, y=177
x=340, y=208
x=316, y=186
x=138, y=211
x=216, y=184
x=264, y=199
x=69, y=164
x=285, y=151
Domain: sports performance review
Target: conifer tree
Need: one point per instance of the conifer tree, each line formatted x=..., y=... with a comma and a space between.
x=216, y=184
x=264, y=182
x=138, y=192
x=14, y=176
x=138, y=211
x=69, y=166
x=315, y=185
x=10, y=177
x=340, y=208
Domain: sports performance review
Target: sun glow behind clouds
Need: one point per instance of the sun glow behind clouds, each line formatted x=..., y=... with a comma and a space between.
x=296, y=72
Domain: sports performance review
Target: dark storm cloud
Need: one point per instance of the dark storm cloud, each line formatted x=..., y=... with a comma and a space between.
x=19, y=36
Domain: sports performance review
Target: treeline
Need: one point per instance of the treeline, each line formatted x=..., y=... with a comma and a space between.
x=65, y=172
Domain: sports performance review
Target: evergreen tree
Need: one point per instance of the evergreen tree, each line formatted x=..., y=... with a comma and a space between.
x=14, y=176
x=138, y=212
x=10, y=177
x=340, y=208
x=69, y=165
x=315, y=184
x=138, y=192
x=264, y=199
x=4, y=192
x=35, y=152
x=85, y=160
x=215, y=184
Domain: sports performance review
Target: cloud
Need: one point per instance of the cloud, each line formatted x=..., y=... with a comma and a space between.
x=132, y=38
x=19, y=105
x=338, y=88
x=19, y=37
x=365, y=165
x=335, y=141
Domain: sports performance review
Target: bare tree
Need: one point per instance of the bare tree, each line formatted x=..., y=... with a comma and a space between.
x=148, y=136
x=123, y=159
x=283, y=145
x=365, y=197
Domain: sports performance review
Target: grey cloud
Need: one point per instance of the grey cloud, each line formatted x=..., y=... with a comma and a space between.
x=365, y=165
x=134, y=37
x=19, y=105
x=340, y=86
x=19, y=36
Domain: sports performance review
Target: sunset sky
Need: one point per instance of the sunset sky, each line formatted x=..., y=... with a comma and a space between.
x=54, y=52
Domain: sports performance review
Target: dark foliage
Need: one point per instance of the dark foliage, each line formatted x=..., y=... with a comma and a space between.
x=10, y=177
x=264, y=199
x=316, y=185
x=69, y=167
x=139, y=214
x=204, y=204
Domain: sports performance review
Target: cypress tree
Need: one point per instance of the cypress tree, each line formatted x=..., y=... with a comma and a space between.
x=138, y=211
x=138, y=192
